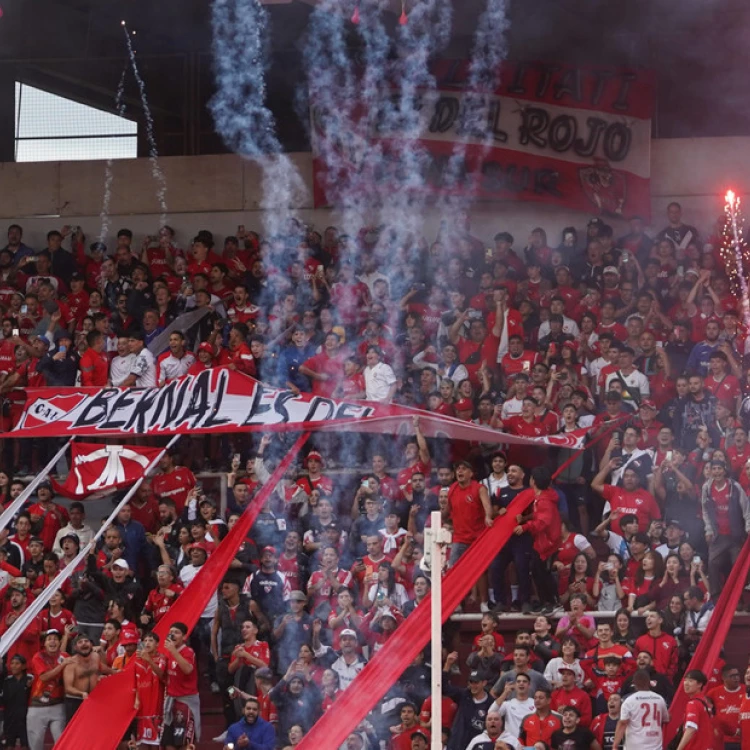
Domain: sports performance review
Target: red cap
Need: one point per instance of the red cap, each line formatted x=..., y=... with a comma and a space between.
x=128, y=636
x=200, y=545
x=315, y=455
x=270, y=549
x=206, y=347
x=463, y=404
x=571, y=345
x=648, y=404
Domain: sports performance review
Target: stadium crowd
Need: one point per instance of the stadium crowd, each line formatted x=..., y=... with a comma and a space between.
x=618, y=562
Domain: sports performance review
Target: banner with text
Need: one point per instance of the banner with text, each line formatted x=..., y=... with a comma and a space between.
x=578, y=137
x=223, y=400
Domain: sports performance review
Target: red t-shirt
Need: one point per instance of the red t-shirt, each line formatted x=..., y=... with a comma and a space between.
x=94, y=368
x=727, y=389
x=179, y=683
x=467, y=512
x=721, y=503
x=174, y=485
x=331, y=366
x=698, y=718
x=259, y=650
x=52, y=691
x=472, y=355
x=147, y=515
x=449, y=711
x=402, y=740
x=149, y=687
x=54, y=518
x=639, y=502
x=158, y=604
x=727, y=707
x=404, y=476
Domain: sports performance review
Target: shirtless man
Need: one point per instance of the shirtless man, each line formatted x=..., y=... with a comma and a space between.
x=80, y=676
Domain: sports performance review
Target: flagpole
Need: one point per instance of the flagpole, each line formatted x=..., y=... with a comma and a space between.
x=38, y=604
x=7, y=515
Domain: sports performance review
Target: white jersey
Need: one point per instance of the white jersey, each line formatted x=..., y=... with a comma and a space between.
x=514, y=712
x=645, y=712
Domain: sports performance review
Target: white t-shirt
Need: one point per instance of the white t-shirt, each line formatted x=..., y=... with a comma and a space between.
x=513, y=712
x=645, y=711
x=511, y=408
x=144, y=369
x=120, y=368
x=378, y=381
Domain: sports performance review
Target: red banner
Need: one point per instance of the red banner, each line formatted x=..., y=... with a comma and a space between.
x=573, y=136
x=113, y=696
x=222, y=400
x=713, y=639
x=97, y=467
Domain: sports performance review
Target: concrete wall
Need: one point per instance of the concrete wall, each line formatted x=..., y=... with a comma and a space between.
x=220, y=192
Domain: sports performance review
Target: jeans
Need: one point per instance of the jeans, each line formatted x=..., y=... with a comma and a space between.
x=518, y=551
x=543, y=578
x=200, y=639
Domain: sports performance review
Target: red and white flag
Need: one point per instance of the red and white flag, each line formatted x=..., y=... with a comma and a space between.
x=98, y=467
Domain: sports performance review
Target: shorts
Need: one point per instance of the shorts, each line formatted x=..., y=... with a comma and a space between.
x=457, y=550
x=181, y=728
x=148, y=731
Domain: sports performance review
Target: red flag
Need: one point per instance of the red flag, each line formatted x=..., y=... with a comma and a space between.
x=100, y=467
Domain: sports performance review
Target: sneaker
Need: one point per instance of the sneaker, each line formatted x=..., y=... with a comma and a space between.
x=484, y=607
x=215, y=689
x=536, y=607
x=222, y=737
x=525, y=608
x=548, y=609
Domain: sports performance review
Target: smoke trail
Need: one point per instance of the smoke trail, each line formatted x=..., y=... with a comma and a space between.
x=355, y=114
x=104, y=218
x=489, y=50
x=247, y=126
x=153, y=154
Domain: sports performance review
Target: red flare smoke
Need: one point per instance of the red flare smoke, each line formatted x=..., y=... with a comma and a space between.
x=355, y=15
x=403, y=20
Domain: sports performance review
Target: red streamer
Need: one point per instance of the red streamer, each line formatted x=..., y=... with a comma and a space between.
x=711, y=643
x=87, y=730
x=372, y=683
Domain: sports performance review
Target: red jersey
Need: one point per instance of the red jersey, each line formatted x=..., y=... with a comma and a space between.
x=738, y=458
x=353, y=386
x=53, y=519
x=268, y=710
x=745, y=723
x=322, y=364
x=246, y=314
x=698, y=718
x=574, y=697
x=49, y=692
x=721, y=504
x=147, y=514
x=526, y=455
x=727, y=706
x=289, y=569
x=7, y=356
x=49, y=621
x=472, y=355
x=404, y=476
x=663, y=649
x=174, y=485
x=402, y=740
x=158, y=603
x=179, y=683
x=326, y=593
x=94, y=368
x=78, y=303
x=259, y=650
x=467, y=512
x=536, y=729
x=727, y=389
x=243, y=360
x=640, y=503
x=514, y=365
x=499, y=642
x=448, y=713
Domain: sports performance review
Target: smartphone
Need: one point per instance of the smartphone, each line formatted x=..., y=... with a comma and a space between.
x=366, y=484
x=659, y=344
x=669, y=455
x=697, y=559
x=526, y=366
x=63, y=349
x=616, y=437
x=24, y=309
x=16, y=332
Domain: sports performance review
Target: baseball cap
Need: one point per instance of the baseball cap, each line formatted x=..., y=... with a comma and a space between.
x=349, y=632
x=73, y=537
x=121, y=563
x=313, y=455
x=595, y=221
x=298, y=596
x=270, y=549
x=475, y=676
x=128, y=636
x=199, y=545
x=565, y=669
x=674, y=522
x=206, y=347
x=464, y=404
x=611, y=269
x=264, y=673
x=647, y=403
x=95, y=246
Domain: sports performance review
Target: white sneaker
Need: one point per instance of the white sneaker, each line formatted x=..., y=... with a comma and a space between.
x=484, y=607
x=221, y=737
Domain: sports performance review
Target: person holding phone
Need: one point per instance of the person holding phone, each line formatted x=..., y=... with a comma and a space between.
x=59, y=365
